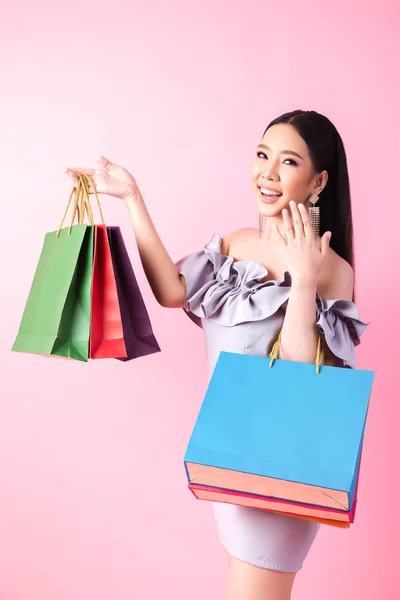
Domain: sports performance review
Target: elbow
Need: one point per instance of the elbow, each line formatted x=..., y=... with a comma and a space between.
x=174, y=296
x=171, y=302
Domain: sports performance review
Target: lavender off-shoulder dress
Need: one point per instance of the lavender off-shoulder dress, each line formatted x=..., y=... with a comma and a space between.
x=240, y=313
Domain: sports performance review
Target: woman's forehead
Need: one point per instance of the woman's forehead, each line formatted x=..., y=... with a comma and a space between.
x=284, y=137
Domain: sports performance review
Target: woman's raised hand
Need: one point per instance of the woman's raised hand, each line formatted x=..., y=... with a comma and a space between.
x=303, y=252
x=168, y=287
x=111, y=179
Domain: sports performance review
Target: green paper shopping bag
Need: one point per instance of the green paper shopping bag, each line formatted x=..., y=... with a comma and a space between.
x=56, y=319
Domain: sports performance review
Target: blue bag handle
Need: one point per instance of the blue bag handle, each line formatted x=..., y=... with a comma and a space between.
x=274, y=354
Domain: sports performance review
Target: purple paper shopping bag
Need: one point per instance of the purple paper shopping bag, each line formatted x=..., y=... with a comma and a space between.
x=138, y=333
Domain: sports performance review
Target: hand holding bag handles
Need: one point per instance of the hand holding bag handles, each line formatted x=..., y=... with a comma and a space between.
x=84, y=300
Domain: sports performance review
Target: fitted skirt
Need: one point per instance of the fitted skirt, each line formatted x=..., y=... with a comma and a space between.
x=264, y=539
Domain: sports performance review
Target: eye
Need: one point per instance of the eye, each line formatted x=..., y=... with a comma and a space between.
x=263, y=155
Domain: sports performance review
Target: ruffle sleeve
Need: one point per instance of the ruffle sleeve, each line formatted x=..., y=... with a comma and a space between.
x=228, y=291
x=233, y=291
x=341, y=324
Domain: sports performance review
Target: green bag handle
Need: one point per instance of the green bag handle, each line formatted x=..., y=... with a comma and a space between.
x=274, y=354
x=81, y=203
x=84, y=182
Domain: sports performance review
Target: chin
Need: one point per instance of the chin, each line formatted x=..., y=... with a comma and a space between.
x=271, y=210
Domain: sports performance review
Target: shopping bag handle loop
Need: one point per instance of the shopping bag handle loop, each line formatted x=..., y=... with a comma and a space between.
x=84, y=182
x=274, y=354
x=81, y=203
x=74, y=194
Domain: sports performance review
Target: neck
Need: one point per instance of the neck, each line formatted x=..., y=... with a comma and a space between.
x=268, y=234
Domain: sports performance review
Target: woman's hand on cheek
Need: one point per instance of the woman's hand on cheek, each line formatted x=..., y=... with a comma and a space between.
x=303, y=253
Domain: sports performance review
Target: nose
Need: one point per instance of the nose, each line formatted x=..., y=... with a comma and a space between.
x=270, y=172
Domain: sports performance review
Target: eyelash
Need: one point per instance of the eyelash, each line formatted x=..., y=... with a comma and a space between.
x=294, y=162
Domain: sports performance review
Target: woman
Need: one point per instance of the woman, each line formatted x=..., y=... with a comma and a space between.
x=286, y=275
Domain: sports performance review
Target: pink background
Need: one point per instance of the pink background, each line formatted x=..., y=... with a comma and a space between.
x=93, y=500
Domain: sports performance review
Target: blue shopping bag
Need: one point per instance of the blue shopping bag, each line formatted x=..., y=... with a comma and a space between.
x=287, y=432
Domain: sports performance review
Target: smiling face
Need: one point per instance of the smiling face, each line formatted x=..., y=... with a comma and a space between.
x=283, y=164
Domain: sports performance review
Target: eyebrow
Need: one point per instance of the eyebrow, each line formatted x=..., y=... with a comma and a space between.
x=282, y=151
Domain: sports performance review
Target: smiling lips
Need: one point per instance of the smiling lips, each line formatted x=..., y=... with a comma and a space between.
x=268, y=195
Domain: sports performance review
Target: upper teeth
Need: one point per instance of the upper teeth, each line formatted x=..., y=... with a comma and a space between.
x=269, y=193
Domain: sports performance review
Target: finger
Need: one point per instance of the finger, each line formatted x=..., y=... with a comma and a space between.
x=73, y=176
x=297, y=221
x=279, y=236
x=307, y=227
x=97, y=178
x=289, y=231
x=104, y=162
x=85, y=171
x=325, y=242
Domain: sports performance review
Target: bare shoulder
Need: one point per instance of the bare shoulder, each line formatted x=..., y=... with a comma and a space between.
x=337, y=278
x=237, y=238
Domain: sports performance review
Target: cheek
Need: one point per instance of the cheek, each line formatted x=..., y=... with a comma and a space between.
x=255, y=171
x=293, y=180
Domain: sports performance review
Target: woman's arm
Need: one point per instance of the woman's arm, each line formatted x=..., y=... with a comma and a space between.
x=311, y=265
x=299, y=331
x=168, y=287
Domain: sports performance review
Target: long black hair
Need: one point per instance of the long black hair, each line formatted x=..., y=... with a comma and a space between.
x=327, y=153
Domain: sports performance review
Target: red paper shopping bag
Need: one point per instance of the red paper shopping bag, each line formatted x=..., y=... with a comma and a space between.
x=106, y=331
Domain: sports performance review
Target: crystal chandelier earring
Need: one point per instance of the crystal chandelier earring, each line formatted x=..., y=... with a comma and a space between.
x=313, y=212
x=261, y=223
